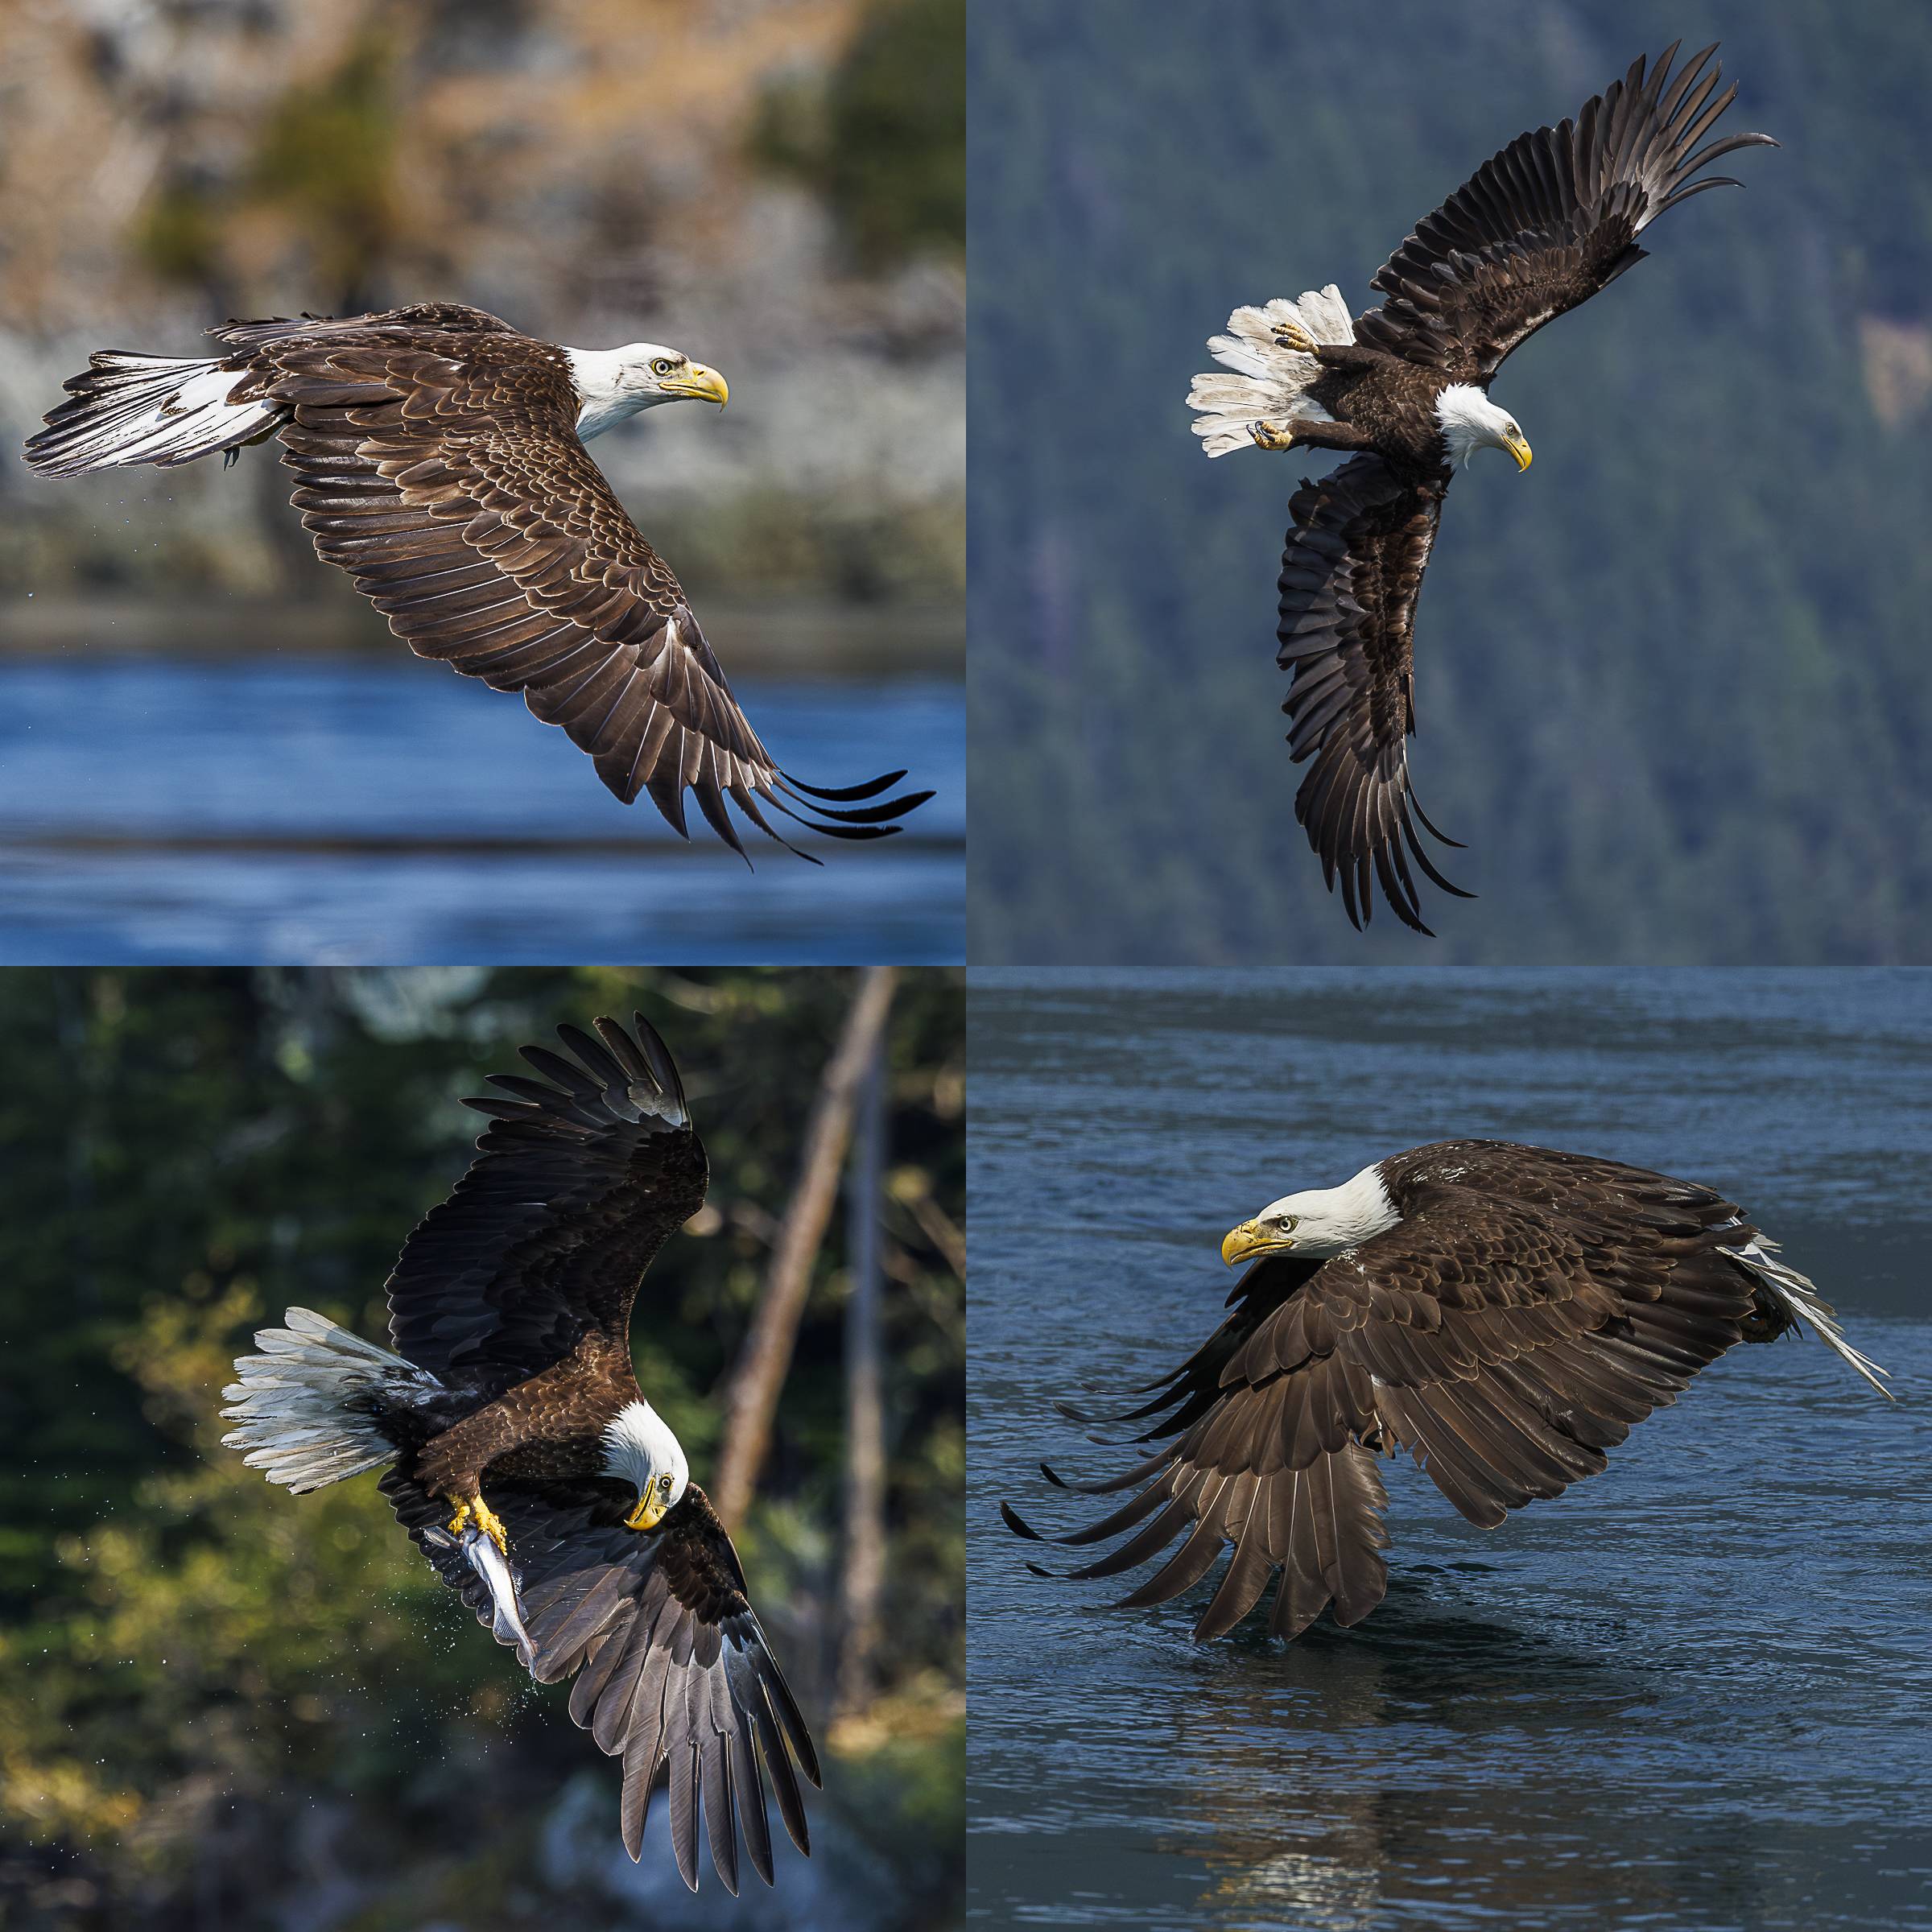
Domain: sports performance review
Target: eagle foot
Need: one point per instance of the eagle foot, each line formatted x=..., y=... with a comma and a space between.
x=1291, y=335
x=479, y=1512
x=1272, y=435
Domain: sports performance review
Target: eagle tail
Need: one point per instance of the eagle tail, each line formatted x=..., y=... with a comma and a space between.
x=309, y=1405
x=1271, y=380
x=1796, y=1296
x=126, y=409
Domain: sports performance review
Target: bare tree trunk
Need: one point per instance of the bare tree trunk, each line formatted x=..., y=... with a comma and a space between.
x=863, y=1583
x=751, y=1395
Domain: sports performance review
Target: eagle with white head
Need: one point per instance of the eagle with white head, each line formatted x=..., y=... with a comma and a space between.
x=1505, y=1314
x=438, y=459
x=1404, y=390
x=593, y=1554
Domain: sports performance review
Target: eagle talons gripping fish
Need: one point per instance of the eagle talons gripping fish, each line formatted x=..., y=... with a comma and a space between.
x=485, y=1518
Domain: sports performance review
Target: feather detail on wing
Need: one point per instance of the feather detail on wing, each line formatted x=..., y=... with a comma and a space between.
x=1527, y=1311
x=1351, y=574
x=453, y=489
x=674, y=1676
x=582, y=1177
x=1549, y=220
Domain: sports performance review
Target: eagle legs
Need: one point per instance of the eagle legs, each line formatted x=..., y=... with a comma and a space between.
x=1308, y=433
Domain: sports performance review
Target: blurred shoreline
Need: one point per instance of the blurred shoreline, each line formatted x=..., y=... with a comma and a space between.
x=782, y=636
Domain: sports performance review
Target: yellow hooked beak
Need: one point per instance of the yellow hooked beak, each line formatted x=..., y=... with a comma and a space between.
x=702, y=384
x=1250, y=1238
x=647, y=1515
x=1518, y=448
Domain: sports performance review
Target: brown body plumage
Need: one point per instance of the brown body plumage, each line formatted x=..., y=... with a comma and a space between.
x=1506, y=1314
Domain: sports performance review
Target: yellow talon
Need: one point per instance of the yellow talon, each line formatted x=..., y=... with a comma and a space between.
x=1291, y=335
x=478, y=1512
x=491, y=1524
x=1270, y=435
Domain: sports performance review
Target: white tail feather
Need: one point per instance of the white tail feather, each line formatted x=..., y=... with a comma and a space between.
x=304, y=1403
x=130, y=409
x=1798, y=1296
x=1270, y=381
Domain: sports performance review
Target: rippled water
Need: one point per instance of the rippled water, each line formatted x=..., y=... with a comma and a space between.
x=1693, y=1692
x=384, y=811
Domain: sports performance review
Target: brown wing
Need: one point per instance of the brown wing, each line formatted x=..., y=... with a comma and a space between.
x=1549, y=220
x=1360, y=540
x=1506, y=1343
x=581, y=1178
x=674, y=1674
x=442, y=471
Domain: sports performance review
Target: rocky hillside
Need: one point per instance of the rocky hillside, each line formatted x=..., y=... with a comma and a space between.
x=776, y=186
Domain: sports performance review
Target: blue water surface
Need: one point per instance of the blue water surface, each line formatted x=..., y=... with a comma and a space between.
x=358, y=808
x=1692, y=1693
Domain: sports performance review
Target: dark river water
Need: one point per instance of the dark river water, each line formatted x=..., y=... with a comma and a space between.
x=1695, y=1691
x=383, y=811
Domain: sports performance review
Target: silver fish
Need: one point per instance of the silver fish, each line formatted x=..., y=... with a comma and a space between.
x=505, y=1586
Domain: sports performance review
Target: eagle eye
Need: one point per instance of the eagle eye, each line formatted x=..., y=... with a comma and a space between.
x=662, y=366
x=664, y=1483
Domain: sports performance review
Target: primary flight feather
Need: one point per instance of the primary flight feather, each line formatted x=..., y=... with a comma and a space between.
x=1404, y=390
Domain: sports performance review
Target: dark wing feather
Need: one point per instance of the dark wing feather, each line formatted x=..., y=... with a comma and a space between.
x=576, y=1184
x=442, y=471
x=1360, y=541
x=1554, y=217
x=1511, y=1328
x=673, y=1672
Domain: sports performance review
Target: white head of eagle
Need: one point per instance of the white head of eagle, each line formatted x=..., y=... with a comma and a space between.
x=616, y=383
x=639, y=1448
x=1319, y=1221
x=1472, y=422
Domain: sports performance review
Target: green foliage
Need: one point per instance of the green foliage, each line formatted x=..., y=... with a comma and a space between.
x=193, y=1662
x=1669, y=683
x=324, y=160
x=178, y=233
x=885, y=141
x=328, y=155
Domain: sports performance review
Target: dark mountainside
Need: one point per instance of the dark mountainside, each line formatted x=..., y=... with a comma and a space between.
x=1671, y=684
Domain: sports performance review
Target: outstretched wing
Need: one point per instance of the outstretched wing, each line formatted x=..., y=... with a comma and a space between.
x=453, y=489
x=582, y=1177
x=673, y=1672
x=1506, y=1374
x=1549, y=220
x=1253, y=1464
x=1350, y=577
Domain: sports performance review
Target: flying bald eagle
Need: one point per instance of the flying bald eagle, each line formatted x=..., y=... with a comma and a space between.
x=1504, y=1313
x=594, y=1552
x=1404, y=389
x=438, y=459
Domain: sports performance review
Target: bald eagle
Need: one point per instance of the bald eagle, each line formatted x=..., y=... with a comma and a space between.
x=1504, y=1313
x=593, y=1552
x=1404, y=390
x=438, y=459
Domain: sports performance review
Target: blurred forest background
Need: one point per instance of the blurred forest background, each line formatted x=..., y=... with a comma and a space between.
x=1672, y=684
x=775, y=186
x=223, y=1707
